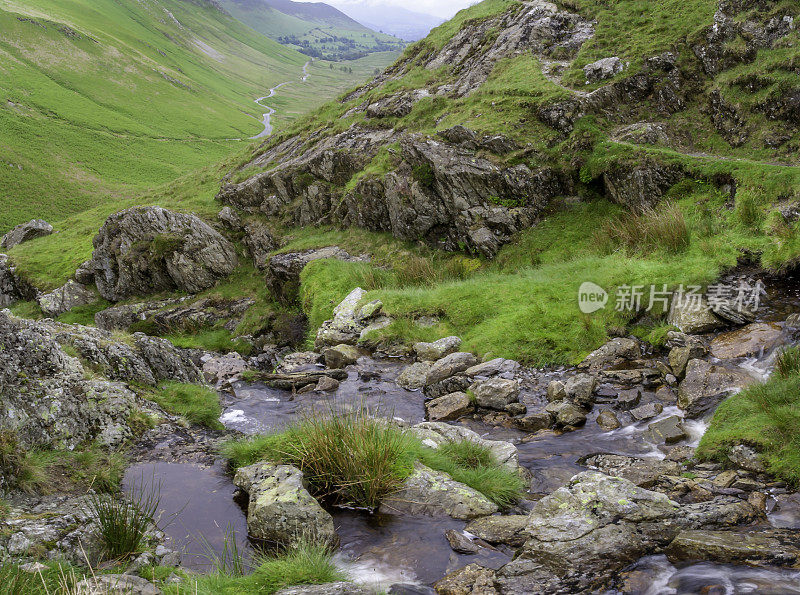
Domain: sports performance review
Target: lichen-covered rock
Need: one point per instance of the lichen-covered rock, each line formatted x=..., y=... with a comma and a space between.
x=431, y=352
x=260, y=242
x=70, y=295
x=144, y=250
x=640, y=186
x=280, y=508
x=498, y=366
x=580, y=388
x=347, y=323
x=449, y=407
x=24, y=232
x=473, y=578
x=666, y=431
x=693, y=318
x=46, y=399
x=413, y=377
x=495, y=393
x=450, y=365
x=435, y=493
x=506, y=529
x=645, y=473
x=773, y=547
x=340, y=356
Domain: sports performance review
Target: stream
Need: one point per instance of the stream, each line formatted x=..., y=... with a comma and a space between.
x=267, y=117
x=381, y=550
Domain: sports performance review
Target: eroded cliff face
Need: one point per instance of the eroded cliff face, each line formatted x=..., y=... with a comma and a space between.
x=397, y=169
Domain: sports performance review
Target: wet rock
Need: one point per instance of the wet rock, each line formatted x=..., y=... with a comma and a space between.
x=449, y=407
x=495, y=393
x=24, y=232
x=603, y=69
x=648, y=411
x=693, y=318
x=280, y=508
x=65, y=298
x=607, y=420
x=434, y=493
x=707, y=385
x=746, y=458
x=584, y=532
x=579, y=389
x=453, y=384
x=556, y=391
x=432, y=352
x=413, y=377
x=533, y=422
x=680, y=356
x=498, y=366
x=645, y=473
x=338, y=588
x=773, y=547
x=145, y=250
x=283, y=270
x=793, y=320
x=116, y=584
x=450, y=365
x=612, y=353
x=219, y=369
x=299, y=361
x=628, y=399
x=505, y=529
x=340, y=356
x=567, y=415
x=12, y=287
x=297, y=380
x=751, y=340
x=516, y=408
x=434, y=434
x=460, y=543
x=327, y=384
x=666, y=431
x=470, y=579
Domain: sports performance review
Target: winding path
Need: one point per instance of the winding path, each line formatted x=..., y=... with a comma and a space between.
x=267, y=118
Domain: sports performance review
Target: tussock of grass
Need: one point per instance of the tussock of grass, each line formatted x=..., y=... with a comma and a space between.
x=787, y=363
x=307, y=563
x=57, y=578
x=198, y=404
x=766, y=416
x=661, y=228
x=21, y=468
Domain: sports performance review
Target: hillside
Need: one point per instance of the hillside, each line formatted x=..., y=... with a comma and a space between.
x=313, y=28
x=108, y=98
x=389, y=18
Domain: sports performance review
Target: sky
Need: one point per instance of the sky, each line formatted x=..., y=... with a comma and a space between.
x=439, y=8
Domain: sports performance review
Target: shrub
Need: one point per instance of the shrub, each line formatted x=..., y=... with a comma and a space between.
x=198, y=404
x=122, y=522
x=348, y=458
x=661, y=228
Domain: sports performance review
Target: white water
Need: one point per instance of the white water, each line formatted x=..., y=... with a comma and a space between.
x=267, y=117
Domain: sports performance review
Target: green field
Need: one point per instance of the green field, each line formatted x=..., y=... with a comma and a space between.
x=102, y=100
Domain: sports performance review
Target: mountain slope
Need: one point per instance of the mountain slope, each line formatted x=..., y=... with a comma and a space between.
x=106, y=97
x=395, y=20
x=315, y=29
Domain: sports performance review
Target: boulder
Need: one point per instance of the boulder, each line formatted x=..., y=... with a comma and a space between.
x=340, y=356
x=24, y=232
x=668, y=430
x=222, y=368
x=607, y=420
x=679, y=356
x=768, y=547
x=533, y=422
x=693, y=319
x=260, y=242
x=505, y=529
x=706, y=385
x=498, y=366
x=429, y=492
x=453, y=384
x=580, y=388
x=345, y=326
x=70, y=295
x=299, y=361
x=614, y=352
x=413, y=377
x=145, y=250
x=628, y=399
x=449, y=407
x=648, y=411
x=432, y=352
x=460, y=543
x=230, y=218
x=603, y=69
x=752, y=340
x=327, y=384
x=450, y=365
x=495, y=393
x=567, y=415
x=84, y=274
x=744, y=457
x=116, y=584
x=280, y=509
x=556, y=391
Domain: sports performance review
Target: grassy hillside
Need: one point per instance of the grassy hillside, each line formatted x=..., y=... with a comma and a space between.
x=103, y=99
x=314, y=29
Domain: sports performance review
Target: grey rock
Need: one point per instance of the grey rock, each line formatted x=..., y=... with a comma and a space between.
x=556, y=391
x=434, y=434
x=460, y=543
x=603, y=69
x=746, y=458
x=645, y=473
x=640, y=185
x=516, y=408
x=752, y=340
x=116, y=584
x=432, y=352
x=706, y=385
x=340, y=356
x=84, y=274
x=260, y=242
x=413, y=377
x=607, y=420
x=691, y=319
x=614, y=352
x=473, y=578
x=24, y=232
x=628, y=399
x=648, y=411
x=338, y=588
x=453, y=384
x=299, y=361
x=579, y=389
x=668, y=430
x=344, y=327
x=450, y=365
x=12, y=287
x=144, y=250
x=495, y=393
x=230, y=218
x=533, y=422
x=449, y=407
x=497, y=366
x=773, y=547
x=680, y=356
x=327, y=384
x=65, y=298
x=566, y=414
x=280, y=508
x=506, y=529
x=223, y=368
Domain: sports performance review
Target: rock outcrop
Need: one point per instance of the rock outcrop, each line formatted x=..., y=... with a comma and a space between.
x=144, y=250
x=37, y=228
x=12, y=287
x=70, y=295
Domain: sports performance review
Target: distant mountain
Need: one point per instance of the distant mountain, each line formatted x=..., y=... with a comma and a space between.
x=394, y=20
x=313, y=28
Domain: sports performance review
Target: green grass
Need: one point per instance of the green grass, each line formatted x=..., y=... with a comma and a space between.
x=307, y=563
x=57, y=578
x=767, y=417
x=198, y=404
